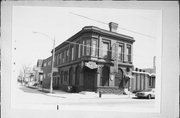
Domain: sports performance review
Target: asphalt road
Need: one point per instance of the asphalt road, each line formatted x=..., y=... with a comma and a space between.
x=30, y=96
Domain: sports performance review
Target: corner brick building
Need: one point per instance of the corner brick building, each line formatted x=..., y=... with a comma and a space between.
x=87, y=61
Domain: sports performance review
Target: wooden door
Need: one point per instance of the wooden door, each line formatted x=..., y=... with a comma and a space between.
x=89, y=79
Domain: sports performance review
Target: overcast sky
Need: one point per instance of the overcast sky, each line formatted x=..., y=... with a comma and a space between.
x=59, y=22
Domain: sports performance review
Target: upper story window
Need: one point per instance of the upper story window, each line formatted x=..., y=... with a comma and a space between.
x=72, y=53
x=120, y=52
x=49, y=63
x=44, y=64
x=94, y=47
x=63, y=57
x=88, y=47
x=79, y=50
x=105, y=49
x=67, y=55
x=57, y=60
x=129, y=53
x=83, y=47
x=60, y=58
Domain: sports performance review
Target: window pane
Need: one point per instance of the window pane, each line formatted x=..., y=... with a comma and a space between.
x=67, y=55
x=83, y=47
x=120, y=52
x=94, y=48
x=72, y=53
x=87, y=47
x=77, y=50
x=129, y=53
x=105, y=49
x=60, y=58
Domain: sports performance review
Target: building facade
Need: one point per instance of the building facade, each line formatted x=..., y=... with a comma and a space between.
x=143, y=79
x=94, y=59
x=38, y=74
x=46, y=68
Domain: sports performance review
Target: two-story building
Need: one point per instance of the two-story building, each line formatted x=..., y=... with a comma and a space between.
x=95, y=59
x=46, y=68
x=38, y=71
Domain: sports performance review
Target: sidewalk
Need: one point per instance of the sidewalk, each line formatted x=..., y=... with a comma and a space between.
x=85, y=95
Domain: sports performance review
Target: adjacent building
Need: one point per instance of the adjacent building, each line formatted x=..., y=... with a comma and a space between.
x=94, y=59
x=38, y=71
x=46, y=68
x=143, y=79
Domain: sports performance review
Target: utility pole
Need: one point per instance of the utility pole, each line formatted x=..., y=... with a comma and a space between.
x=53, y=53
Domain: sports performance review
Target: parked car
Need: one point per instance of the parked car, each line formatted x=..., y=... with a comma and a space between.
x=150, y=93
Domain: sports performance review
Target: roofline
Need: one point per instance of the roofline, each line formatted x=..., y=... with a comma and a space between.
x=97, y=30
x=47, y=58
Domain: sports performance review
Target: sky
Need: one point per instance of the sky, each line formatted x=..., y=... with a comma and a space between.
x=61, y=23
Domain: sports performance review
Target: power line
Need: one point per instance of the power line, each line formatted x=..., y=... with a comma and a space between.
x=89, y=18
x=146, y=35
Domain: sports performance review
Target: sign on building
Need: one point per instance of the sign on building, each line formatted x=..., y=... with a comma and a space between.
x=91, y=65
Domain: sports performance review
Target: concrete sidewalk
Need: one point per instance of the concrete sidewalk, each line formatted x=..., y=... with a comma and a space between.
x=84, y=95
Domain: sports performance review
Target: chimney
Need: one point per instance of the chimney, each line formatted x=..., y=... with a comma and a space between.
x=113, y=27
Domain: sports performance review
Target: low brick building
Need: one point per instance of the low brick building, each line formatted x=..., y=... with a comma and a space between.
x=38, y=74
x=46, y=68
x=94, y=59
x=143, y=79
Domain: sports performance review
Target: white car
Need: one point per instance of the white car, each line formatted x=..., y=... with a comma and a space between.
x=150, y=93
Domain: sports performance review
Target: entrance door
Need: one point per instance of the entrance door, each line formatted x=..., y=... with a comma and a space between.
x=119, y=79
x=89, y=79
x=105, y=76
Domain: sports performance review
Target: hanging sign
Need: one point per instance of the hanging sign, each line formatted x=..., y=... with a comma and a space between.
x=91, y=65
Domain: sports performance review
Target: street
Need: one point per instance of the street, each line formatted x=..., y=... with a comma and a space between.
x=34, y=98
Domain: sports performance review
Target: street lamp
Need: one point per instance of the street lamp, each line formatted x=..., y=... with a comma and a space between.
x=53, y=53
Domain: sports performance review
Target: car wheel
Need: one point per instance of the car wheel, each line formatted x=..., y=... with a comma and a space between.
x=149, y=96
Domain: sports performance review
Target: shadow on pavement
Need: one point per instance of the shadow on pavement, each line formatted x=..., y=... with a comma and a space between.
x=32, y=90
x=38, y=91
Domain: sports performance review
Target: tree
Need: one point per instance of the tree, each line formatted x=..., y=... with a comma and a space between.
x=24, y=73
